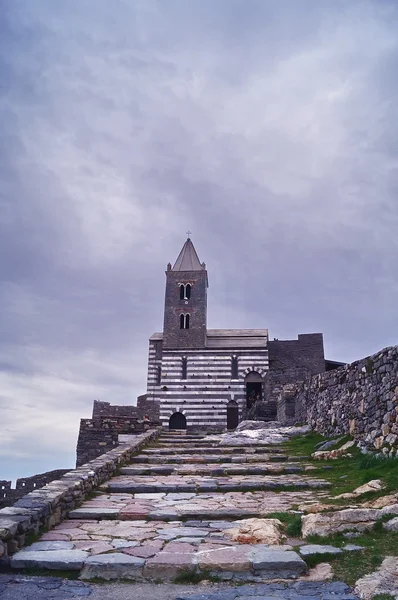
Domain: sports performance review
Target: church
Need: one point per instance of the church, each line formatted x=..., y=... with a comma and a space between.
x=213, y=378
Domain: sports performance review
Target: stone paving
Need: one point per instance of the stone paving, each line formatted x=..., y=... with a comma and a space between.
x=19, y=587
x=158, y=527
x=237, y=505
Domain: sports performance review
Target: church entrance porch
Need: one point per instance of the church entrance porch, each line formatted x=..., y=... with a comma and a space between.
x=232, y=415
x=254, y=389
x=177, y=421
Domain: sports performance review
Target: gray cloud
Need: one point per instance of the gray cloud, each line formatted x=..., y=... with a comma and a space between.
x=267, y=129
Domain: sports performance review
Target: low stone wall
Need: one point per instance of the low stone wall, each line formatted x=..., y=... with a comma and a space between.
x=46, y=507
x=9, y=495
x=360, y=399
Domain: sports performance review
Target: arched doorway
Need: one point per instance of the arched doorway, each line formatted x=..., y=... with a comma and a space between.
x=254, y=388
x=232, y=414
x=177, y=421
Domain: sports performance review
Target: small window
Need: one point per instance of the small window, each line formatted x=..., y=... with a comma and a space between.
x=184, y=321
x=188, y=291
x=184, y=368
x=234, y=367
x=158, y=375
x=182, y=292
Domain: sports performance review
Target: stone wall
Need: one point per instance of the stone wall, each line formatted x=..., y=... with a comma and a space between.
x=305, y=352
x=145, y=406
x=8, y=495
x=360, y=399
x=46, y=507
x=100, y=433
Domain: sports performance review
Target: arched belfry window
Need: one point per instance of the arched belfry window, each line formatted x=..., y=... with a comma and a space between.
x=184, y=321
x=158, y=375
x=184, y=367
x=185, y=291
x=234, y=367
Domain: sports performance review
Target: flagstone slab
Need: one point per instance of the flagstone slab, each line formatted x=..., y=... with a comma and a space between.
x=224, y=558
x=49, y=545
x=313, y=549
x=168, y=565
x=67, y=560
x=94, y=513
x=113, y=566
x=277, y=563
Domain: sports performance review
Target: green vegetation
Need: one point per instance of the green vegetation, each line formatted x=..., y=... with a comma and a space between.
x=291, y=522
x=187, y=577
x=33, y=537
x=350, y=566
x=347, y=472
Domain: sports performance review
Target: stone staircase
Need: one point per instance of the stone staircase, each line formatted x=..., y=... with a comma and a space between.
x=167, y=516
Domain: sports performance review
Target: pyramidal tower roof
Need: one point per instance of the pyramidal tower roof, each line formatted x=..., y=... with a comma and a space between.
x=188, y=259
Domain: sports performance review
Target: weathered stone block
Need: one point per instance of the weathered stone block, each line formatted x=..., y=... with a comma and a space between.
x=113, y=566
x=67, y=560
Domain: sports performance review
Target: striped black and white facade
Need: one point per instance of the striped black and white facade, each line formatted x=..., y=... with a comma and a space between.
x=197, y=372
x=203, y=388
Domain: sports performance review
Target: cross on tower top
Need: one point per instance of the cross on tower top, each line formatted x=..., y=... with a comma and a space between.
x=189, y=233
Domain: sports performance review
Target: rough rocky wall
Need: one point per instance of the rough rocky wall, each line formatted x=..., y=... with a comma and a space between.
x=360, y=398
x=9, y=495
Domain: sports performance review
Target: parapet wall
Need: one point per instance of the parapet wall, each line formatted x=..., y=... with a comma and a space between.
x=8, y=495
x=360, y=399
x=46, y=507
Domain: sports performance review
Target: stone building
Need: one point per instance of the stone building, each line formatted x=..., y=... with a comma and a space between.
x=212, y=378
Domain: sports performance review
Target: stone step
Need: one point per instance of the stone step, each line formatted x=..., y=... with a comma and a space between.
x=212, y=459
x=163, y=560
x=186, y=443
x=214, y=450
x=214, y=506
x=182, y=438
x=181, y=483
x=220, y=469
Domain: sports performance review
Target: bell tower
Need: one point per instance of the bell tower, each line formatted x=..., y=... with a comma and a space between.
x=185, y=312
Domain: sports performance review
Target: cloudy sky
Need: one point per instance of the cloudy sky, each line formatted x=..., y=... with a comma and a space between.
x=268, y=128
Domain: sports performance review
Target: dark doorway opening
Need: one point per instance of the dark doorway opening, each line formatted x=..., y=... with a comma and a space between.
x=254, y=392
x=177, y=421
x=232, y=415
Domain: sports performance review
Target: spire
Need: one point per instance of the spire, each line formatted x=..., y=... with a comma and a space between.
x=188, y=259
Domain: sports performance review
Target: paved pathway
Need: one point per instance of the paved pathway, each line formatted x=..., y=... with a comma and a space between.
x=55, y=588
x=150, y=526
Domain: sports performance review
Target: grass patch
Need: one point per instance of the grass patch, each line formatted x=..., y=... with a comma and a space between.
x=32, y=537
x=193, y=577
x=304, y=444
x=347, y=472
x=291, y=522
x=350, y=566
